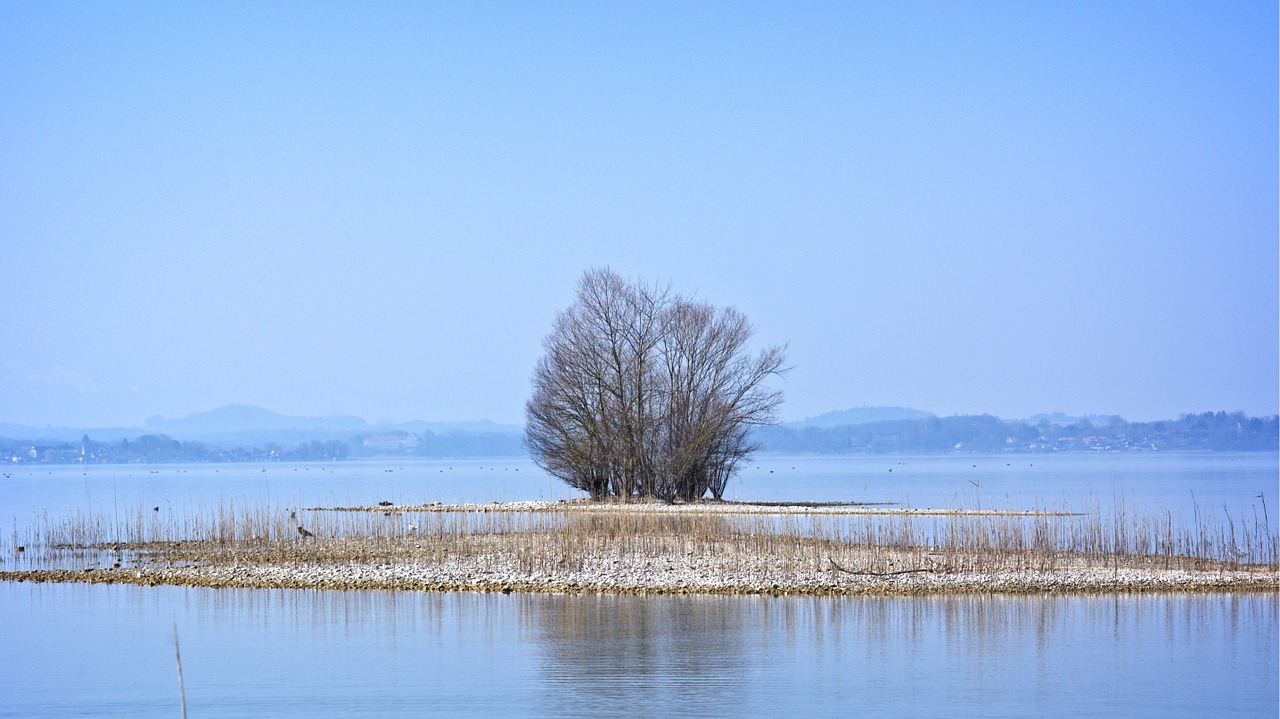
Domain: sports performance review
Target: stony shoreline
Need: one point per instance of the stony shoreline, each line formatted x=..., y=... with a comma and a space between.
x=662, y=575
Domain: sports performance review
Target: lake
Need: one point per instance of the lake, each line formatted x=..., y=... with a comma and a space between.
x=95, y=650
x=108, y=650
x=1177, y=481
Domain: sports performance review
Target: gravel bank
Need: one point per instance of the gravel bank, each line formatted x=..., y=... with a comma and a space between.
x=660, y=574
x=709, y=508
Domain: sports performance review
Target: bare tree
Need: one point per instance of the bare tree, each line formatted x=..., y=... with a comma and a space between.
x=715, y=393
x=642, y=394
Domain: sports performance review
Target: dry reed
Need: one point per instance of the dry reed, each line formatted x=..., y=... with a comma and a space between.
x=553, y=537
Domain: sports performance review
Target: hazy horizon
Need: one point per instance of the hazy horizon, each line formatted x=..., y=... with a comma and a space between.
x=153, y=421
x=378, y=210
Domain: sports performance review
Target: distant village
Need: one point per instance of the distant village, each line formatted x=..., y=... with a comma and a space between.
x=1209, y=431
x=153, y=448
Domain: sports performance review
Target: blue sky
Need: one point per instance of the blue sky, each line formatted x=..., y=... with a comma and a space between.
x=378, y=208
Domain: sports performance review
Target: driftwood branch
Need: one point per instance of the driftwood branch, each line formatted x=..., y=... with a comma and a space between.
x=878, y=574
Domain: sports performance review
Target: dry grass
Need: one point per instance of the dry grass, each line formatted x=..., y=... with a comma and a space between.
x=560, y=537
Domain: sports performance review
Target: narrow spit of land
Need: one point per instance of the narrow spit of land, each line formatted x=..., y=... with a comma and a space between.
x=647, y=548
x=709, y=508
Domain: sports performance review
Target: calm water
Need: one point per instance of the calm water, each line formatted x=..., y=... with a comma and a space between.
x=1074, y=481
x=108, y=651
x=97, y=650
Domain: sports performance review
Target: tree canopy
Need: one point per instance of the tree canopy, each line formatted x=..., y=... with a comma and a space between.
x=644, y=394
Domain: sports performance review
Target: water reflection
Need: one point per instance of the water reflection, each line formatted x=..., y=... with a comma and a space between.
x=1141, y=655
x=108, y=649
x=609, y=654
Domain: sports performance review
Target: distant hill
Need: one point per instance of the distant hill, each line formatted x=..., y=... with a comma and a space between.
x=240, y=424
x=1062, y=420
x=859, y=415
x=243, y=433
x=50, y=433
x=238, y=419
x=482, y=426
x=249, y=423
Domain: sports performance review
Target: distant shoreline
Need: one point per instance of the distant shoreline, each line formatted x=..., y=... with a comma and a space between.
x=261, y=461
x=222, y=436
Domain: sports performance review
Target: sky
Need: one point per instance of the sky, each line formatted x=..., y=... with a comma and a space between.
x=378, y=208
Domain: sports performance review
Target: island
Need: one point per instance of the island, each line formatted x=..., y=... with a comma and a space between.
x=660, y=548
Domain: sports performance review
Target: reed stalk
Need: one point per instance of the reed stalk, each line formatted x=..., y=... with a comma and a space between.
x=552, y=538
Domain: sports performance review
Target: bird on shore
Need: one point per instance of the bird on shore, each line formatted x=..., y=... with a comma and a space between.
x=304, y=532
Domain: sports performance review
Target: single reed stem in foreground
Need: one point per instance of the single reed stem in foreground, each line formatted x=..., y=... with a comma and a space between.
x=177, y=655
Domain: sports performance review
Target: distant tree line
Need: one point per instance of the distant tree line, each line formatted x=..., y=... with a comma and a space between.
x=158, y=448
x=1214, y=431
x=1219, y=431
